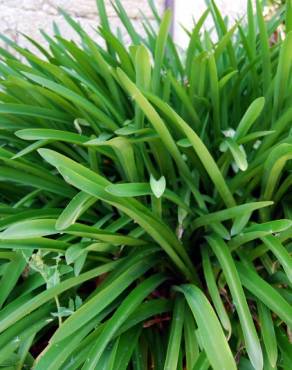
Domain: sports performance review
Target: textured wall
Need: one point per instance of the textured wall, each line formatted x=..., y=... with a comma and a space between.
x=27, y=16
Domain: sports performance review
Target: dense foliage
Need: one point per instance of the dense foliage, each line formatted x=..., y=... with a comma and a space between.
x=145, y=207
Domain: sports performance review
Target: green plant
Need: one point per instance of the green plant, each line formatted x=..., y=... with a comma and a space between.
x=145, y=206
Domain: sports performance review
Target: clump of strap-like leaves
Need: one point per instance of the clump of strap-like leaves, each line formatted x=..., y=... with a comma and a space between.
x=145, y=209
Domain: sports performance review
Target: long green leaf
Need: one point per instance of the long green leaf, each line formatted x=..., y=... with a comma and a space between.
x=229, y=268
x=211, y=333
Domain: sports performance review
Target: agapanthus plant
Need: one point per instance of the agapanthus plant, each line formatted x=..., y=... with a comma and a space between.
x=146, y=197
